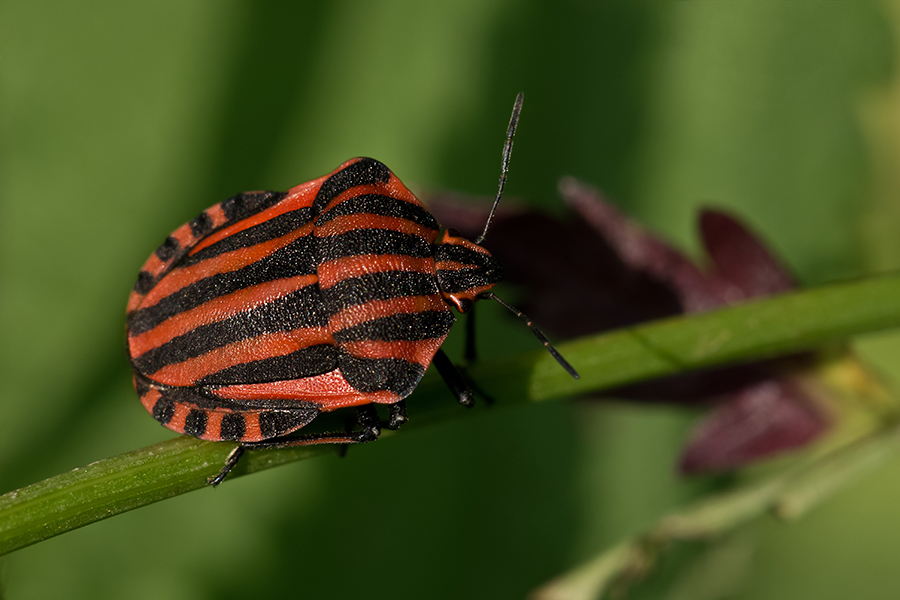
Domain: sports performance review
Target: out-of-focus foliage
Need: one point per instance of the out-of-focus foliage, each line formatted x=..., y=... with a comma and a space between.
x=120, y=121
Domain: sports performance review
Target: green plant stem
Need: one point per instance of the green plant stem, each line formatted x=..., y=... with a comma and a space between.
x=787, y=494
x=767, y=328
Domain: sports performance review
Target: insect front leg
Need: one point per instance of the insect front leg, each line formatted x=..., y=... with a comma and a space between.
x=471, y=351
x=454, y=379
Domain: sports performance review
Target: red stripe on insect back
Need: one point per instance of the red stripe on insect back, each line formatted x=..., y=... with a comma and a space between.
x=155, y=266
x=184, y=236
x=378, y=204
x=347, y=223
x=180, y=240
x=393, y=188
x=223, y=263
x=250, y=419
x=213, y=422
x=303, y=194
x=297, y=197
x=267, y=345
x=149, y=399
x=213, y=425
x=335, y=271
x=215, y=310
x=329, y=389
x=252, y=432
x=418, y=351
x=216, y=215
x=179, y=416
x=376, y=309
x=398, y=190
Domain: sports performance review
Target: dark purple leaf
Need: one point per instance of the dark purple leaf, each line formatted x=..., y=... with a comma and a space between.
x=642, y=251
x=596, y=270
x=740, y=259
x=762, y=419
x=574, y=281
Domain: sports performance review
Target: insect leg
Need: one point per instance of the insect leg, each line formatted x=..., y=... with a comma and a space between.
x=230, y=463
x=398, y=415
x=367, y=417
x=454, y=379
x=470, y=354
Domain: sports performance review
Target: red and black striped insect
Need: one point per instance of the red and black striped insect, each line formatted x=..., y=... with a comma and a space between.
x=271, y=308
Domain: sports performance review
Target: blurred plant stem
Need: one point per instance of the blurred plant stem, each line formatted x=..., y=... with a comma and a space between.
x=788, y=492
x=772, y=327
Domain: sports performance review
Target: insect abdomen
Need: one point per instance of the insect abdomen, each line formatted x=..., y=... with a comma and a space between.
x=188, y=411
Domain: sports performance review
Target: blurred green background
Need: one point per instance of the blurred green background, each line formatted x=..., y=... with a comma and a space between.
x=120, y=121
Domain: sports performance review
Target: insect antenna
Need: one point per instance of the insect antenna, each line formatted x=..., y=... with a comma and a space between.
x=537, y=333
x=504, y=167
x=504, y=164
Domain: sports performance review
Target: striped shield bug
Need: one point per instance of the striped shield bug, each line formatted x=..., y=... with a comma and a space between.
x=271, y=308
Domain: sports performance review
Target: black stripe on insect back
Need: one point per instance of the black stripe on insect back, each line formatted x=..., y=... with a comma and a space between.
x=233, y=426
x=377, y=286
x=460, y=254
x=306, y=362
x=453, y=282
x=270, y=229
x=195, y=423
x=366, y=171
x=249, y=203
x=163, y=410
x=144, y=283
x=207, y=399
x=297, y=258
x=377, y=204
x=202, y=225
x=409, y=327
x=168, y=249
x=372, y=241
x=299, y=309
x=377, y=374
x=274, y=423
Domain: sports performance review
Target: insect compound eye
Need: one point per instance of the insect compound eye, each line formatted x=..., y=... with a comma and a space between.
x=464, y=305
